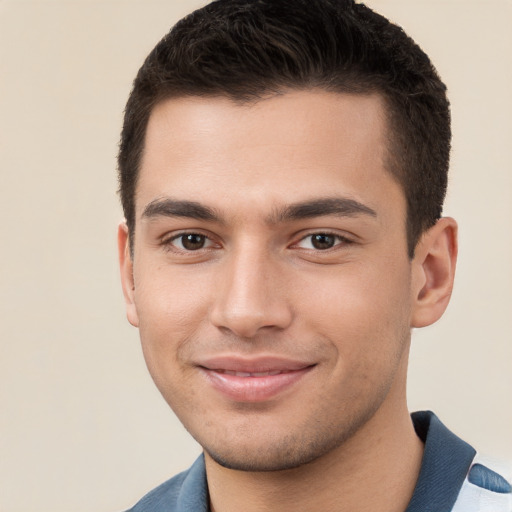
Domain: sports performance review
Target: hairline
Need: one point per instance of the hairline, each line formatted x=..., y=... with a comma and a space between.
x=391, y=136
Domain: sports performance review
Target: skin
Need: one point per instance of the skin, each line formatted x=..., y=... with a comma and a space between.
x=255, y=282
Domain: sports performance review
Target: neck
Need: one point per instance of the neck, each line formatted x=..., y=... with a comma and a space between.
x=376, y=469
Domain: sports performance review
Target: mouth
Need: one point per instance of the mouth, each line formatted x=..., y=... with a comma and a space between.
x=252, y=374
x=253, y=380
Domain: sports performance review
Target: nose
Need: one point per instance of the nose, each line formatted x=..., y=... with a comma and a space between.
x=250, y=296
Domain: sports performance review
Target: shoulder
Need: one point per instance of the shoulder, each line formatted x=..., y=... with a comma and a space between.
x=165, y=495
x=454, y=476
x=186, y=491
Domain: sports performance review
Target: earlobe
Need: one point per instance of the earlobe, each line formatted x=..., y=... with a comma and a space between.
x=126, y=268
x=433, y=272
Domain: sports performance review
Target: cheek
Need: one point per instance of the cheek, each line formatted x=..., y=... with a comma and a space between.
x=168, y=319
x=366, y=321
x=170, y=300
x=360, y=308
x=170, y=310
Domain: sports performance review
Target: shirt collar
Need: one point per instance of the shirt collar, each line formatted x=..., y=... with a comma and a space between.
x=193, y=494
x=446, y=462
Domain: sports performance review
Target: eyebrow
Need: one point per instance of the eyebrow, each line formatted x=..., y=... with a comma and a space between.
x=339, y=206
x=168, y=207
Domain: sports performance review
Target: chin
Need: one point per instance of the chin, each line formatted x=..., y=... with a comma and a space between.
x=269, y=454
x=262, y=462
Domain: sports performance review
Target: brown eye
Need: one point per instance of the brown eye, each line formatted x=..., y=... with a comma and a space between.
x=323, y=241
x=193, y=242
x=190, y=242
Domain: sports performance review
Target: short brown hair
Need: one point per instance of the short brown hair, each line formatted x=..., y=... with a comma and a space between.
x=247, y=49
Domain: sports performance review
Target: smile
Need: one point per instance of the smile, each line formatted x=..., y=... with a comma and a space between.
x=257, y=380
x=252, y=374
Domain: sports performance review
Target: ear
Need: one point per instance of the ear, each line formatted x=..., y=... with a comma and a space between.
x=433, y=271
x=126, y=267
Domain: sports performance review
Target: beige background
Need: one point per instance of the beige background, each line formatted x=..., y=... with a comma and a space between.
x=82, y=427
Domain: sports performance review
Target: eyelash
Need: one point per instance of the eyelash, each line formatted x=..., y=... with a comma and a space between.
x=338, y=240
x=170, y=246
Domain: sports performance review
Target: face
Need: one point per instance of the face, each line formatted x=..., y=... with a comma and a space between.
x=270, y=279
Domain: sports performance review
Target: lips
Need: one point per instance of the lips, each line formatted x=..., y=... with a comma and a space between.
x=253, y=380
x=252, y=374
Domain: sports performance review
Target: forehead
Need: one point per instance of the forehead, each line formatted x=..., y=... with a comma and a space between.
x=276, y=150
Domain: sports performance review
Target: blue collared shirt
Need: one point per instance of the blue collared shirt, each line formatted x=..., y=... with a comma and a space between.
x=453, y=478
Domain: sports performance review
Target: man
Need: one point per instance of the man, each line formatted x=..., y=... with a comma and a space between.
x=283, y=165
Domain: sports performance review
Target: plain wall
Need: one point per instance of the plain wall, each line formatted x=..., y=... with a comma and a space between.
x=81, y=425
